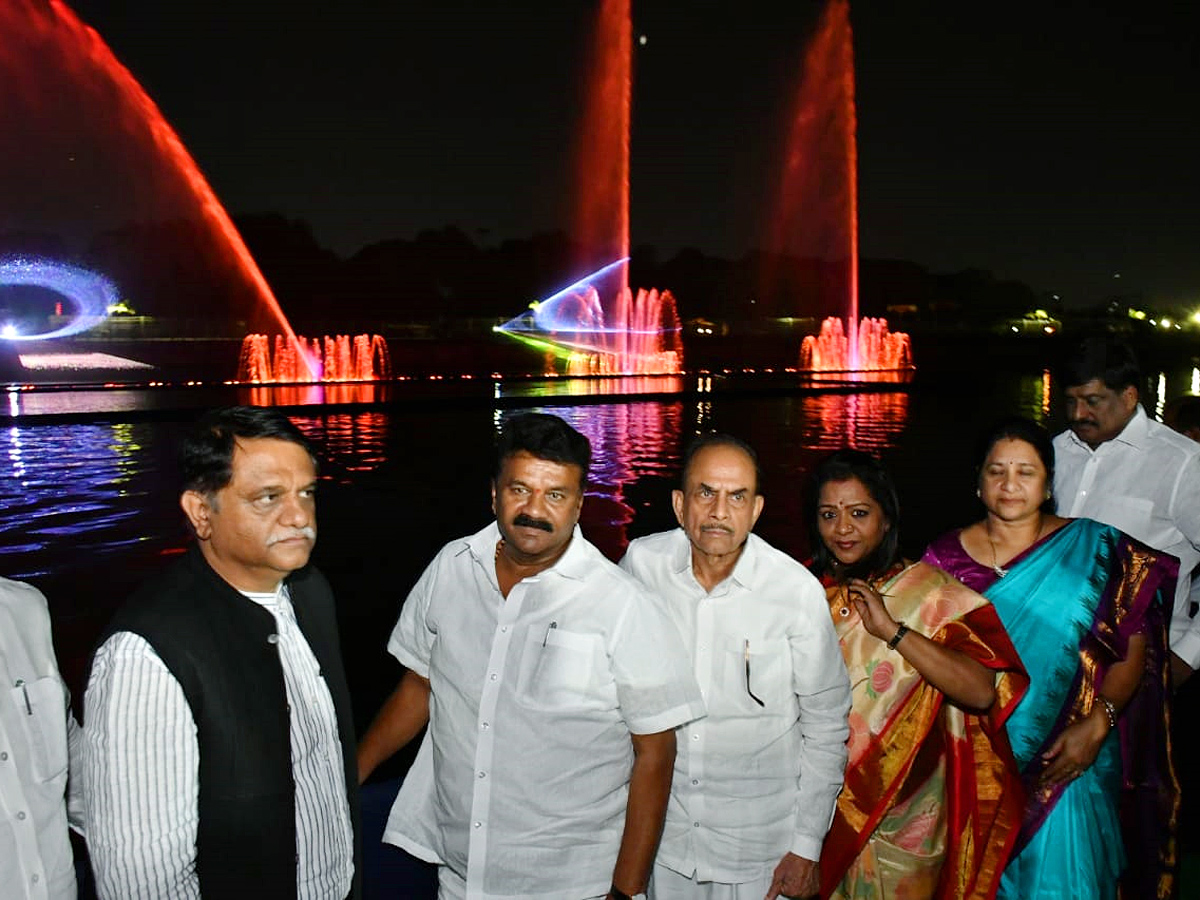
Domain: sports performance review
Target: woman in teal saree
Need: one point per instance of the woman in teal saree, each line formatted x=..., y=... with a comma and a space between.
x=1083, y=605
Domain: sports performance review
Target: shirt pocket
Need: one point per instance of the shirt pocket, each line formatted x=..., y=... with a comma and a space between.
x=758, y=669
x=557, y=668
x=42, y=713
x=1135, y=517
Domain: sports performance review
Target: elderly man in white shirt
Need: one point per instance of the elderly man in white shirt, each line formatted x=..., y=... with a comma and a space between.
x=38, y=737
x=756, y=781
x=551, y=684
x=1116, y=465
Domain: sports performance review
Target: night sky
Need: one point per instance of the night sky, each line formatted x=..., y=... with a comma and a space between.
x=1056, y=143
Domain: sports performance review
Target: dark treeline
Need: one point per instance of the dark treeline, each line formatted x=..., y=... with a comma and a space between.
x=177, y=268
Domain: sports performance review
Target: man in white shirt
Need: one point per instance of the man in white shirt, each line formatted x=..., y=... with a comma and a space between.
x=1118, y=466
x=38, y=737
x=218, y=737
x=756, y=781
x=551, y=685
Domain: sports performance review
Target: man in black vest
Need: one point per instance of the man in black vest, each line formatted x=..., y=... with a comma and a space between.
x=218, y=740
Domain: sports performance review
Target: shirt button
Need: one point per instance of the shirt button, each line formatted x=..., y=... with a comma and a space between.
x=35, y=879
x=3, y=757
x=483, y=774
x=695, y=824
x=486, y=726
x=478, y=824
x=272, y=639
x=21, y=816
x=695, y=781
x=504, y=629
x=695, y=737
x=492, y=677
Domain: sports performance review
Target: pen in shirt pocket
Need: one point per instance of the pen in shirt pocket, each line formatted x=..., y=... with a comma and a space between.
x=25, y=692
x=546, y=637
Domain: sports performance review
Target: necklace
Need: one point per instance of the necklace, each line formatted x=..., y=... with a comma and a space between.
x=1000, y=571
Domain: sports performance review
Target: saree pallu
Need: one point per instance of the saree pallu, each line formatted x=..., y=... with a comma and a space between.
x=932, y=801
x=1071, y=603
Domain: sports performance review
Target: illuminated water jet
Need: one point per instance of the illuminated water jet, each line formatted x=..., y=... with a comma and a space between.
x=870, y=347
x=330, y=358
x=640, y=335
x=89, y=293
x=817, y=199
x=600, y=325
x=66, y=86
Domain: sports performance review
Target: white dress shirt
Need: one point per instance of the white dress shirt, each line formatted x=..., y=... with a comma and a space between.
x=521, y=783
x=37, y=737
x=1146, y=482
x=751, y=782
x=142, y=763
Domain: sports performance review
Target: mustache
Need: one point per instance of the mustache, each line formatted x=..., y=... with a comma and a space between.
x=722, y=528
x=306, y=532
x=1075, y=423
x=523, y=521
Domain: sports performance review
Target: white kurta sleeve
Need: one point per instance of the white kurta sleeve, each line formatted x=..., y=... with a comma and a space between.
x=141, y=775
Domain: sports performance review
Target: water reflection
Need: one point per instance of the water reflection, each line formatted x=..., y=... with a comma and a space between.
x=73, y=490
x=868, y=422
x=350, y=442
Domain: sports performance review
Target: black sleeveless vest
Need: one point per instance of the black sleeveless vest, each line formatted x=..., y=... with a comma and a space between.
x=219, y=646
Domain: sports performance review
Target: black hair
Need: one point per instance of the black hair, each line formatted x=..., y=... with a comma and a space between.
x=842, y=465
x=206, y=453
x=1183, y=413
x=1102, y=357
x=1021, y=429
x=545, y=437
x=718, y=439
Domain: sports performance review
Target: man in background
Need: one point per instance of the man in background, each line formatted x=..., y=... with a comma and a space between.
x=1118, y=466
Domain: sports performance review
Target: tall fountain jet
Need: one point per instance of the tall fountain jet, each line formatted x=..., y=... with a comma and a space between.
x=68, y=104
x=599, y=325
x=816, y=210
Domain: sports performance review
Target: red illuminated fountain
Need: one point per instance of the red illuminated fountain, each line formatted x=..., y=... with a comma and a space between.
x=599, y=325
x=104, y=151
x=361, y=357
x=817, y=211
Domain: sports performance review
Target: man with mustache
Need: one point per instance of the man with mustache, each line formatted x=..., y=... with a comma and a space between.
x=218, y=737
x=1117, y=465
x=757, y=779
x=551, y=685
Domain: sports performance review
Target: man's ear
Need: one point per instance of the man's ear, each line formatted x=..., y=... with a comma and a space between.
x=677, y=505
x=198, y=509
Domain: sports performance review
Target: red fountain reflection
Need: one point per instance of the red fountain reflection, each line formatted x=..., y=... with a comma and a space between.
x=46, y=45
x=362, y=357
x=817, y=212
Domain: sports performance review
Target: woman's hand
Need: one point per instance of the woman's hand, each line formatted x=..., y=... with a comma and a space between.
x=869, y=603
x=1075, y=749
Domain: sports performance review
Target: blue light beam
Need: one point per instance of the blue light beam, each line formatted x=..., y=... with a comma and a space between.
x=89, y=293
